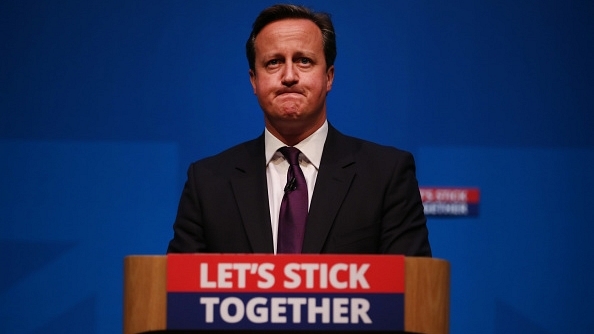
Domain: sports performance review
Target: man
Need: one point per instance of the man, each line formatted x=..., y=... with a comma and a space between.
x=356, y=197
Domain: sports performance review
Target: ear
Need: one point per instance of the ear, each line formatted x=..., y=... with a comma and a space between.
x=253, y=80
x=329, y=78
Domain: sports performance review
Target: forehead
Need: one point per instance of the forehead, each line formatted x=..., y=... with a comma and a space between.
x=286, y=33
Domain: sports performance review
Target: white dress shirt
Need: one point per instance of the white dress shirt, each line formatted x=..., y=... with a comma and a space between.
x=277, y=167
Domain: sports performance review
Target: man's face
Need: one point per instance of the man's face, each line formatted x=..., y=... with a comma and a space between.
x=290, y=77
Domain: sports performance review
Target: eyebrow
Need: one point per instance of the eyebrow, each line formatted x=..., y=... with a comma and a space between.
x=273, y=55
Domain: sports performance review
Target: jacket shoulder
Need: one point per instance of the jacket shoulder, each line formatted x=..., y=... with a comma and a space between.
x=239, y=152
x=366, y=149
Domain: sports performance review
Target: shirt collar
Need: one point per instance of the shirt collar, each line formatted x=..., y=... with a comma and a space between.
x=310, y=147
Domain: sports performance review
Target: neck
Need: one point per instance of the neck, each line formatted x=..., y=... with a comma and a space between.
x=293, y=136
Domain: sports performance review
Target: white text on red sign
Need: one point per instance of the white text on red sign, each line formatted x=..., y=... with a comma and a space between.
x=308, y=275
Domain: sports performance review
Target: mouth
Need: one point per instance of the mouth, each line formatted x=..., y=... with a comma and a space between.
x=289, y=92
x=289, y=97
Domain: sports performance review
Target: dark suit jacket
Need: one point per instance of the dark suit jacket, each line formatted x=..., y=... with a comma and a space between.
x=366, y=201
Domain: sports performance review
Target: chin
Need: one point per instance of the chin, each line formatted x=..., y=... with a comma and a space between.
x=290, y=112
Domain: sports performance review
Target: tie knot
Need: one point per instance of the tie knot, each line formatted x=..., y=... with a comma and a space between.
x=291, y=154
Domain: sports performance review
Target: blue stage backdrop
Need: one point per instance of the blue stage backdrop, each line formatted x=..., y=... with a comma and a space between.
x=103, y=104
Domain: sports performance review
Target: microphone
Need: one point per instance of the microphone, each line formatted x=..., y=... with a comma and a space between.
x=291, y=185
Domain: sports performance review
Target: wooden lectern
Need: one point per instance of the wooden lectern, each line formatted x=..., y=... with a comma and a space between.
x=426, y=306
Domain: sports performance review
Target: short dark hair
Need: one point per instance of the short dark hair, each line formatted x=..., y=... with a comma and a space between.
x=284, y=11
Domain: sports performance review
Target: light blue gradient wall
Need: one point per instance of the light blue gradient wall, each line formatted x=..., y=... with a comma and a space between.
x=103, y=104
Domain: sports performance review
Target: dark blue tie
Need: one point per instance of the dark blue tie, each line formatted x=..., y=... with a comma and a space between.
x=293, y=211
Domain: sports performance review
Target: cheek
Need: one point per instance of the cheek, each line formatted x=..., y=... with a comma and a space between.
x=264, y=93
x=317, y=83
x=263, y=86
x=318, y=88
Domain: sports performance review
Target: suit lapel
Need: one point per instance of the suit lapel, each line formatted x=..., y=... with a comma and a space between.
x=337, y=169
x=251, y=193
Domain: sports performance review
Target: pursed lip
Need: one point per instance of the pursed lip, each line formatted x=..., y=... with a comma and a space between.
x=289, y=91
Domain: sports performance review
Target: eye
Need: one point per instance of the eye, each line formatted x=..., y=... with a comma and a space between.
x=273, y=62
x=304, y=61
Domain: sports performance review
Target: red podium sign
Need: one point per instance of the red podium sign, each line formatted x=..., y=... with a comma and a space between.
x=296, y=292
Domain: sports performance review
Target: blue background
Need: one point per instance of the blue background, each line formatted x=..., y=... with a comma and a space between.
x=103, y=104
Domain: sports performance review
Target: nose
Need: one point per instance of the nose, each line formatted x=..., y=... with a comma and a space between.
x=290, y=75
